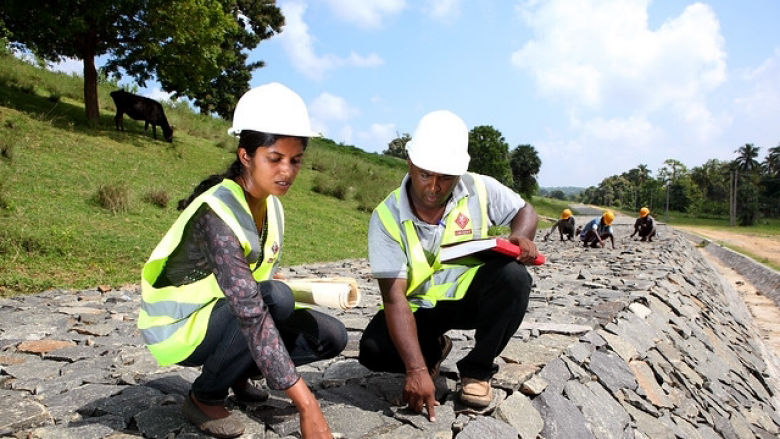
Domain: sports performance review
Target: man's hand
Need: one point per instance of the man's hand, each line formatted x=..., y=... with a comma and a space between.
x=420, y=392
x=528, y=250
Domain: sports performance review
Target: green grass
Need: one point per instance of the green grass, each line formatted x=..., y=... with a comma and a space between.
x=54, y=232
x=549, y=210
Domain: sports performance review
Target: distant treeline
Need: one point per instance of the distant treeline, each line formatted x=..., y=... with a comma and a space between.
x=561, y=192
x=749, y=187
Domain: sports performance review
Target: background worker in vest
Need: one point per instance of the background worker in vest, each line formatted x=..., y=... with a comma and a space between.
x=565, y=226
x=644, y=226
x=439, y=203
x=208, y=297
x=597, y=230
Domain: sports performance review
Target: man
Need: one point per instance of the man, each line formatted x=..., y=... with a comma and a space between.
x=565, y=226
x=439, y=203
x=644, y=225
x=597, y=230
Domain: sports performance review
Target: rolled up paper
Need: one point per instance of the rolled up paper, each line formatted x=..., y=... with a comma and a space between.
x=330, y=292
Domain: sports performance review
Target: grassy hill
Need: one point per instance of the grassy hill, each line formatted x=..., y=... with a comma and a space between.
x=54, y=168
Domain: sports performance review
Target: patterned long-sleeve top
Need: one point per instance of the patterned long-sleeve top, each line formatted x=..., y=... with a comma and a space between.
x=210, y=246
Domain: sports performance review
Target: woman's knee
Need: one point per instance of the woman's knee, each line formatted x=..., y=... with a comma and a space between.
x=278, y=297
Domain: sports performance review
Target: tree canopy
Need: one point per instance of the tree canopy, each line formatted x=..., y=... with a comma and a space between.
x=194, y=48
x=489, y=153
x=525, y=165
x=704, y=189
x=746, y=157
x=397, y=146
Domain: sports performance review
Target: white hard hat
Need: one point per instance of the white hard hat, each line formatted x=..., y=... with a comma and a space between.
x=440, y=144
x=272, y=108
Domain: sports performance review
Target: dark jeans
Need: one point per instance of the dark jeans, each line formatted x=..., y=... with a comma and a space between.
x=307, y=334
x=494, y=305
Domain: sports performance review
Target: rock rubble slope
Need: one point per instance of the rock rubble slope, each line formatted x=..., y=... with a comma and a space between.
x=639, y=342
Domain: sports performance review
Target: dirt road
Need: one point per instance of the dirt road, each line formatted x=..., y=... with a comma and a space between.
x=761, y=246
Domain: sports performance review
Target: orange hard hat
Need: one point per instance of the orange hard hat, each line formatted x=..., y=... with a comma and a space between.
x=643, y=212
x=565, y=214
x=609, y=216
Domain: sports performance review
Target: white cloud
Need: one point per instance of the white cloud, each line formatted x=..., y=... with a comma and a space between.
x=329, y=107
x=762, y=95
x=330, y=115
x=443, y=10
x=602, y=55
x=372, y=60
x=633, y=131
x=299, y=45
x=756, y=108
x=377, y=136
x=158, y=94
x=71, y=66
x=638, y=92
x=368, y=14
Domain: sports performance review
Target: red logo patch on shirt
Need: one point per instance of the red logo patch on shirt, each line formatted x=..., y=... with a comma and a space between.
x=462, y=220
x=275, y=248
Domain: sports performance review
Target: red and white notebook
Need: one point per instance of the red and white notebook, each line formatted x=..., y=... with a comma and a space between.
x=497, y=245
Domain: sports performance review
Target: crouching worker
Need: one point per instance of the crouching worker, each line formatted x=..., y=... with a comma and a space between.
x=644, y=226
x=597, y=230
x=208, y=298
x=565, y=226
x=439, y=203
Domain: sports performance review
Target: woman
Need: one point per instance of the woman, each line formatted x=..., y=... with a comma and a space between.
x=208, y=295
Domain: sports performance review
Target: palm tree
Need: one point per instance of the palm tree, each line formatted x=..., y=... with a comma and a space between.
x=772, y=162
x=746, y=160
x=644, y=173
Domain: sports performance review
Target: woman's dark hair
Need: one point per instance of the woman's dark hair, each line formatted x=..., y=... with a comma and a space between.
x=248, y=140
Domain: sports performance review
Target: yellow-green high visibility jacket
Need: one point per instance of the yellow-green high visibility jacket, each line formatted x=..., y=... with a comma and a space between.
x=428, y=283
x=173, y=319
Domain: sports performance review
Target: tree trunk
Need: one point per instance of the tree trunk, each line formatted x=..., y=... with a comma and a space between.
x=90, y=82
x=732, y=201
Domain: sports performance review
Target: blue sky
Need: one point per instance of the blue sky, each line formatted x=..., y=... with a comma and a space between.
x=597, y=87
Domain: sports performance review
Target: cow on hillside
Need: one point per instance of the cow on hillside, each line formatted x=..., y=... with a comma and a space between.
x=141, y=108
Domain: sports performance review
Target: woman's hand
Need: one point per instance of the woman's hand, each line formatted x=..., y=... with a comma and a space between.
x=313, y=423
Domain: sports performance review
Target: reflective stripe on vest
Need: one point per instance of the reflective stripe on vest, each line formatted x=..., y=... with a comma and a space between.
x=426, y=283
x=173, y=320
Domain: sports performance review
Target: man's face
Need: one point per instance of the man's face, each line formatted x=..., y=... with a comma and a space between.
x=430, y=190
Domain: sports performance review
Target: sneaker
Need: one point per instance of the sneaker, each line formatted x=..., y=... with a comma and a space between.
x=476, y=393
x=224, y=428
x=446, y=347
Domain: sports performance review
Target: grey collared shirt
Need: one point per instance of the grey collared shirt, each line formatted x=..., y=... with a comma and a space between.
x=386, y=257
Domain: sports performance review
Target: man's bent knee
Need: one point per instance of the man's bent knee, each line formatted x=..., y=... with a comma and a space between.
x=369, y=354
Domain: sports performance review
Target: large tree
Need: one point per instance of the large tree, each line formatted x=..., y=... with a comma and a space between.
x=746, y=158
x=397, y=146
x=194, y=48
x=771, y=163
x=489, y=153
x=747, y=180
x=525, y=164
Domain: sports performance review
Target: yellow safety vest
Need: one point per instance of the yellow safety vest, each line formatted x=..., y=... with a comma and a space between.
x=173, y=319
x=428, y=283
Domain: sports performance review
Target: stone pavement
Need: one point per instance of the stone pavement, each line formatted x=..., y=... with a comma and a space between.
x=642, y=341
